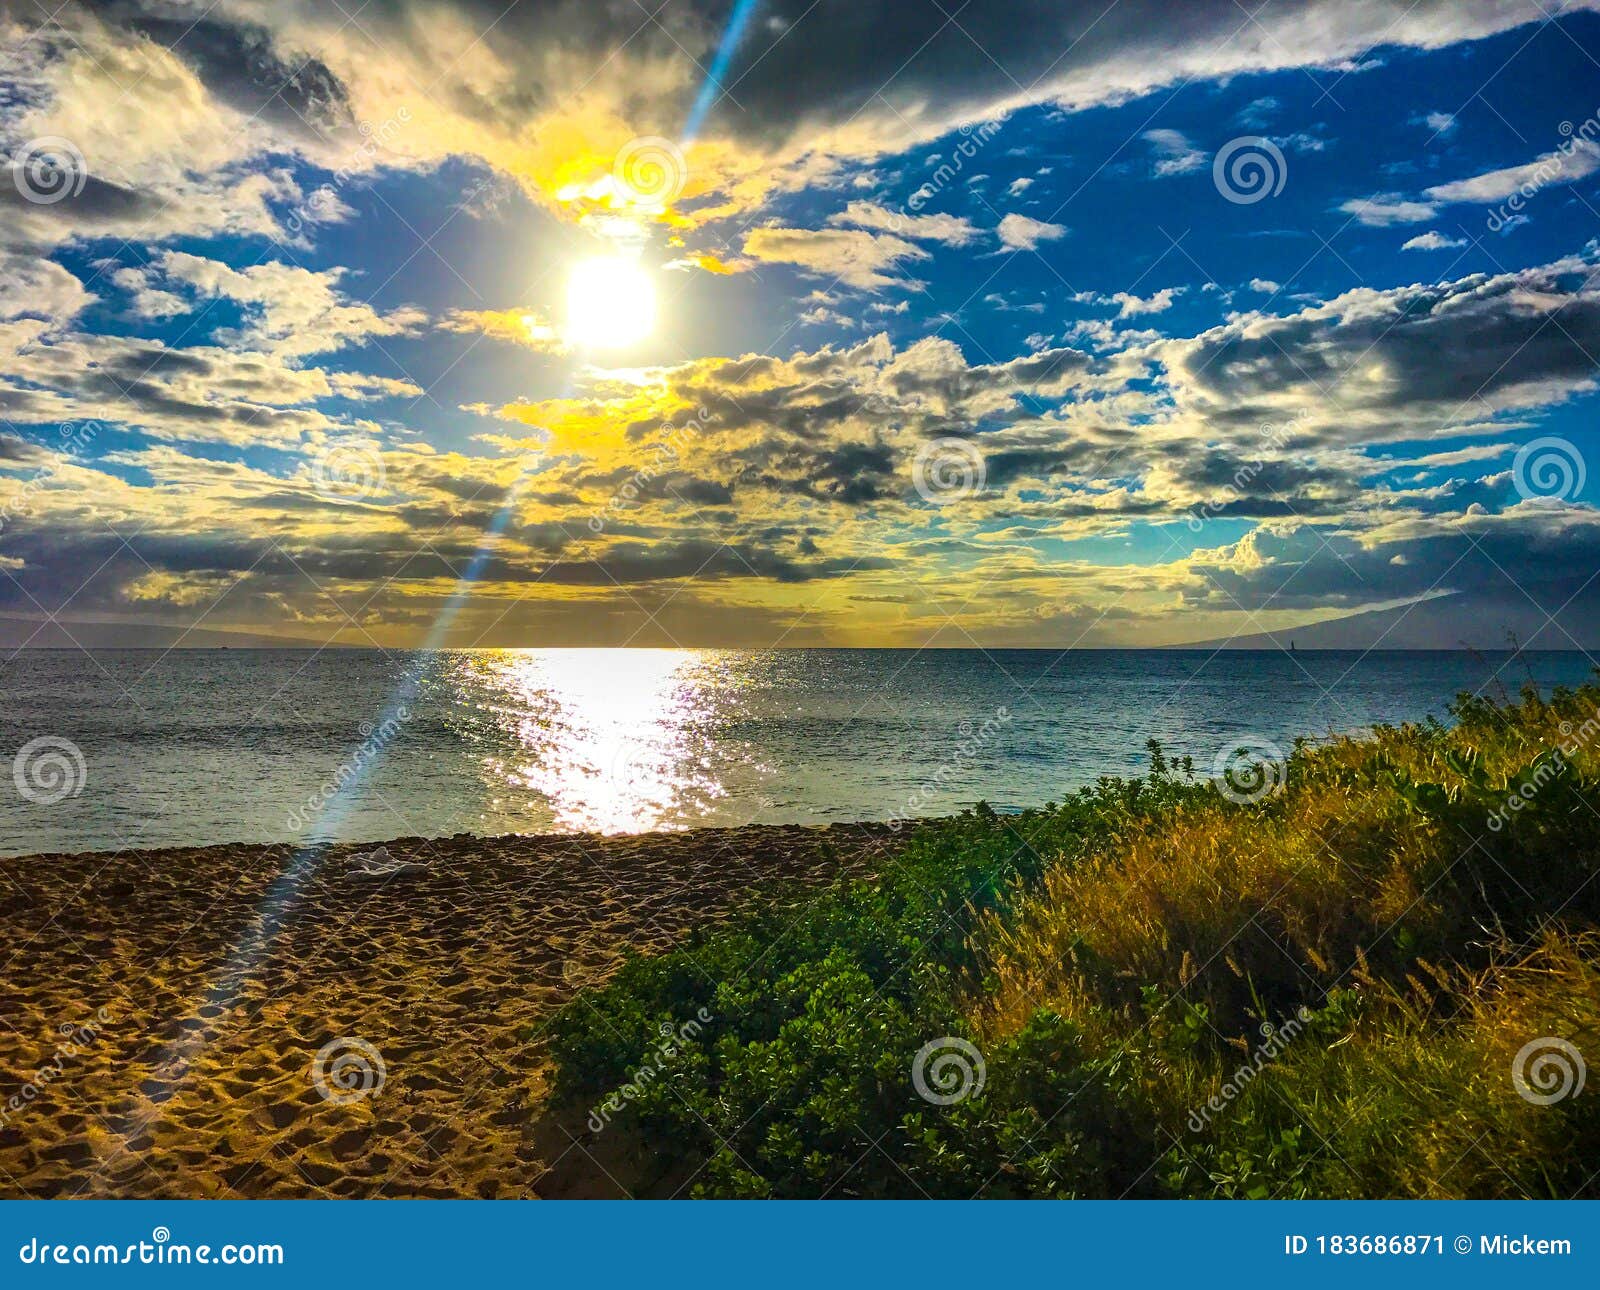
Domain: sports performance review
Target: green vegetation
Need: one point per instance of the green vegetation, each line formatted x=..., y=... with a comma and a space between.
x=1321, y=993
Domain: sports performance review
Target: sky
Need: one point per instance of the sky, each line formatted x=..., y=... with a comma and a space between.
x=781, y=323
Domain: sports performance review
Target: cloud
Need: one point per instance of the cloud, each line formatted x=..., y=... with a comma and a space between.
x=1159, y=302
x=1384, y=209
x=951, y=230
x=1019, y=233
x=1432, y=241
x=35, y=288
x=852, y=256
x=1574, y=160
x=1175, y=155
x=525, y=327
x=546, y=94
x=288, y=310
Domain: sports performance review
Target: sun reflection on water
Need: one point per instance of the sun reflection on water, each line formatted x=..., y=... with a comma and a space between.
x=612, y=740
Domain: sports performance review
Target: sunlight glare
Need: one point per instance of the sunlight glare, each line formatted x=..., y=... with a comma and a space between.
x=611, y=303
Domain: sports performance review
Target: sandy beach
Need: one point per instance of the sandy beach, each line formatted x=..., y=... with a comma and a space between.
x=194, y=1023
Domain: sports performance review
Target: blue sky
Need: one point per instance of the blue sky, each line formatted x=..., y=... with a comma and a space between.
x=956, y=332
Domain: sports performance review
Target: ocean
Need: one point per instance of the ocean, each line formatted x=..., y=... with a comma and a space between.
x=119, y=749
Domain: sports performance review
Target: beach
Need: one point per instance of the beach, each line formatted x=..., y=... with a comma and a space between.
x=252, y=1021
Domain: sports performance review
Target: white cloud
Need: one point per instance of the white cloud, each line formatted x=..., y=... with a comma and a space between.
x=1175, y=155
x=852, y=256
x=952, y=230
x=1574, y=160
x=31, y=287
x=1020, y=233
x=1433, y=241
x=1384, y=209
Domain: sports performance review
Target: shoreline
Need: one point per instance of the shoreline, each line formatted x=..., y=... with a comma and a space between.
x=166, y=1009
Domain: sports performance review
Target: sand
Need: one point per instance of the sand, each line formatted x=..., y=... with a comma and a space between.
x=162, y=1012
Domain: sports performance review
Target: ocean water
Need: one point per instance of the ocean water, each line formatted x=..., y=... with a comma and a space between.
x=119, y=749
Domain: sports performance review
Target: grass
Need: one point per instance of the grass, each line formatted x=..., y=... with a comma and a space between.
x=1320, y=993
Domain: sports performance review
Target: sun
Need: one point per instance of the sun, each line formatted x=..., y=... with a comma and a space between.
x=611, y=303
